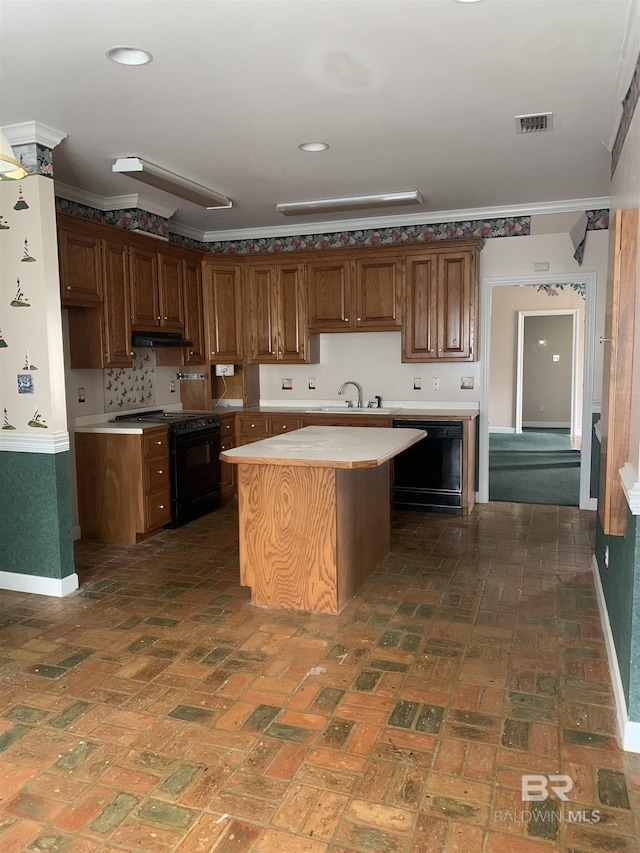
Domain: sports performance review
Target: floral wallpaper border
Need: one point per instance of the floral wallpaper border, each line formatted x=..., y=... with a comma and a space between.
x=628, y=109
x=517, y=226
x=35, y=158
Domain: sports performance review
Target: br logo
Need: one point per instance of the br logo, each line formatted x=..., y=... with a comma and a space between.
x=535, y=787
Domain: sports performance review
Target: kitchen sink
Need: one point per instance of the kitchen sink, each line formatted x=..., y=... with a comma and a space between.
x=344, y=410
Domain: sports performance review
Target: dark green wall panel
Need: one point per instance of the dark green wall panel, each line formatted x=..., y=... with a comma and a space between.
x=35, y=513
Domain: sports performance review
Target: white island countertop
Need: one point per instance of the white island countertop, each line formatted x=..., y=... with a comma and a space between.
x=327, y=447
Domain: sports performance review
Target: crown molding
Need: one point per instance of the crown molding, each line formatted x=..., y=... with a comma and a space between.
x=397, y=220
x=114, y=202
x=626, y=68
x=33, y=131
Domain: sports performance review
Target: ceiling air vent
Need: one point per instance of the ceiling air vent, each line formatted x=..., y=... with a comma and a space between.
x=534, y=123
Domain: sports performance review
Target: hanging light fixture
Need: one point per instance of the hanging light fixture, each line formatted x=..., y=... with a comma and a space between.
x=10, y=168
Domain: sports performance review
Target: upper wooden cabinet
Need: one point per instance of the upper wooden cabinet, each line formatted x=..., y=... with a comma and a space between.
x=276, y=324
x=223, y=311
x=378, y=287
x=348, y=295
x=156, y=290
x=80, y=257
x=193, y=312
x=441, y=305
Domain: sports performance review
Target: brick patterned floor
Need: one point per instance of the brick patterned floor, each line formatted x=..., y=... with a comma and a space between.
x=157, y=710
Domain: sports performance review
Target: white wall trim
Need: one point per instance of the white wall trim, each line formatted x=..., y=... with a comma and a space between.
x=589, y=280
x=550, y=425
x=57, y=442
x=114, y=202
x=40, y=586
x=76, y=532
x=626, y=68
x=629, y=731
x=631, y=486
x=506, y=430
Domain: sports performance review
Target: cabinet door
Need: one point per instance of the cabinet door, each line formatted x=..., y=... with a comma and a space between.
x=292, y=332
x=223, y=295
x=193, y=313
x=456, y=300
x=116, y=320
x=170, y=292
x=80, y=268
x=378, y=288
x=420, y=328
x=262, y=320
x=329, y=296
x=145, y=307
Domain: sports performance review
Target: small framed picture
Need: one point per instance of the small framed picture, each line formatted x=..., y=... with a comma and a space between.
x=466, y=382
x=287, y=384
x=25, y=383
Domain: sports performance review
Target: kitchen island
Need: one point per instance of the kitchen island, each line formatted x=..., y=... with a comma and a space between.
x=315, y=512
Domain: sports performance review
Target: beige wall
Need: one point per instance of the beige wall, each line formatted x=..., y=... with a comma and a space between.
x=505, y=304
x=547, y=382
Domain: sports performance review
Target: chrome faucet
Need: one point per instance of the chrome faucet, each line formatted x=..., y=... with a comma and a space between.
x=359, y=387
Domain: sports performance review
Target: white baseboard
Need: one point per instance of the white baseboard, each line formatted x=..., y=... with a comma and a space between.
x=547, y=424
x=76, y=532
x=593, y=504
x=507, y=430
x=58, y=587
x=629, y=731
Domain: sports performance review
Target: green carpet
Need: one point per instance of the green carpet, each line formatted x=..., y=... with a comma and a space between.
x=535, y=467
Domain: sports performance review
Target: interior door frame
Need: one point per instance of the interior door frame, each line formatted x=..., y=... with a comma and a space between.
x=576, y=426
x=486, y=289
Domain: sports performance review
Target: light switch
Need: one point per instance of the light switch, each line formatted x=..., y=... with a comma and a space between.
x=556, y=357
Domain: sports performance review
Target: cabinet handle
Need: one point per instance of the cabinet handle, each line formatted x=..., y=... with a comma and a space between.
x=603, y=340
x=359, y=319
x=159, y=470
x=159, y=443
x=68, y=287
x=346, y=319
x=160, y=506
x=190, y=352
x=166, y=318
x=157, y=318
x=284, y=426
x=431, y=350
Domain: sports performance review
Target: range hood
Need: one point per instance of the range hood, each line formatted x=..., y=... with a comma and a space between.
x=159, y=339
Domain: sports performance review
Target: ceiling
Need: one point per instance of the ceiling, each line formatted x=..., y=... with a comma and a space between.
x=409, y=95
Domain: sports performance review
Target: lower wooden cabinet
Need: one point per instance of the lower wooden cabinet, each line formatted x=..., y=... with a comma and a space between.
x=123, y=484
x=227, y=442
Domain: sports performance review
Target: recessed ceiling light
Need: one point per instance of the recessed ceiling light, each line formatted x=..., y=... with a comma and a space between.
x=468, y=1
x=129, y=56
x=313, y=146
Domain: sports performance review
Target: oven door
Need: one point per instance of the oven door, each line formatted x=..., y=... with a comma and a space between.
x=195, y=475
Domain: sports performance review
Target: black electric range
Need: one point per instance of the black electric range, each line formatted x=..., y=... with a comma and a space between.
x=194, y=453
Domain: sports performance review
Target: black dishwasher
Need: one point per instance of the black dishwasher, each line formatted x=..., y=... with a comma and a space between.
x=428, y=475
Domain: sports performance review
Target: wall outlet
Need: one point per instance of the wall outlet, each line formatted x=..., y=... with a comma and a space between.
x=312, y=384
x=541, y=407
x=172, y=386
x=436, y=383
x=225, y=369
x=417, y=383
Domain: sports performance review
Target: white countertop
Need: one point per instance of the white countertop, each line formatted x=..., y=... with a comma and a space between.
x=327, y=447
x=121, y=427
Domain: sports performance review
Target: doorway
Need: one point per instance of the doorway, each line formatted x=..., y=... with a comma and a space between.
x=585, y=351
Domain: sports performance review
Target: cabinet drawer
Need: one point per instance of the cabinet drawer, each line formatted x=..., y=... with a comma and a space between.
x=158, y=509
x=284, y=423
x=155, y=442
x=255, y=425
x=156, y=474
x=227, y=444
x=227, y=427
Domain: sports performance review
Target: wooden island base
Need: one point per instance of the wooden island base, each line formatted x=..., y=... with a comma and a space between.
x=310, y=536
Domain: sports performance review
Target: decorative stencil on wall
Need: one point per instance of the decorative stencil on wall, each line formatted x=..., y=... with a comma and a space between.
x=3, y=343
x=4, y=226
x=27, y=362
x=553, y=289
x=132, y=387
x=25, y=254
x=5, y=421
x=19, y=300
x=21, y=204
x=38, y=421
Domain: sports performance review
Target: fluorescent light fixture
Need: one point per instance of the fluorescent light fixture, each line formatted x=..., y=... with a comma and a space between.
x=356, y=202
x=10, y=168
x=313, y=146
x=158, y=177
